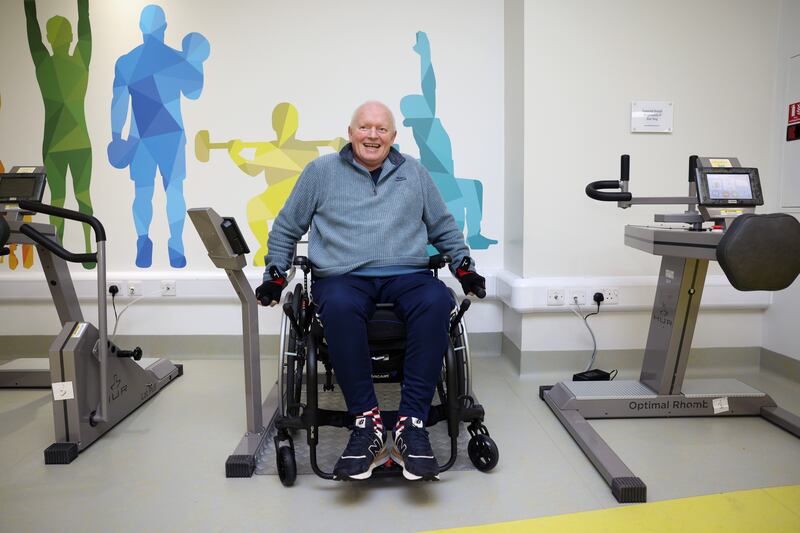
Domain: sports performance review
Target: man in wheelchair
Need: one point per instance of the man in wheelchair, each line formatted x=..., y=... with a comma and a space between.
x=372, y=212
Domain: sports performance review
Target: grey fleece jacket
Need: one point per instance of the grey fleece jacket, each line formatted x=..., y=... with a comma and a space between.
x=356, y=223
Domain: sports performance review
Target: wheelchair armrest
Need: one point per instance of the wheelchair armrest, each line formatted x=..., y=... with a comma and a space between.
x=435, y=262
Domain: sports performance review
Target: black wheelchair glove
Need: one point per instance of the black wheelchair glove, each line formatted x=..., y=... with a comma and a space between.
x=471, y=282
x=269, y=292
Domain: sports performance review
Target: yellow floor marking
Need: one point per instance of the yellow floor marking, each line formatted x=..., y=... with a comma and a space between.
x=771, y=510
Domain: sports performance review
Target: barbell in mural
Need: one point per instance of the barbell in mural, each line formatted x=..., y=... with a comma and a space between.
x=280, y=160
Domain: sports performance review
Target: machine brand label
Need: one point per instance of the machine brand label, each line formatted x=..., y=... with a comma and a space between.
x=79, y=330
x=660, y=405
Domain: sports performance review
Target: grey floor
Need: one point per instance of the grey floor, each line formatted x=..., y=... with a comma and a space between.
x=162, y=467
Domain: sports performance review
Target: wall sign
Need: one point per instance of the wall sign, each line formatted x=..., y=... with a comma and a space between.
x=651, y=117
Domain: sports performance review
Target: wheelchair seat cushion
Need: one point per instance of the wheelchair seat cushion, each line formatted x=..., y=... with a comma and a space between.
x=761, y=252
x=385, y=326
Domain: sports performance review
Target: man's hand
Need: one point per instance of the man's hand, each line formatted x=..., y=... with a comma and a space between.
x=471, y=282
x=422, y=46
x=269, y=292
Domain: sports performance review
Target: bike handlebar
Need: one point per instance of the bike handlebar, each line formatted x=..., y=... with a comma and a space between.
x=593, y=190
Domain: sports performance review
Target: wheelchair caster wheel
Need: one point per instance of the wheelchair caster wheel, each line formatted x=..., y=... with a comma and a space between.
x=287, y=467
x=483, y=452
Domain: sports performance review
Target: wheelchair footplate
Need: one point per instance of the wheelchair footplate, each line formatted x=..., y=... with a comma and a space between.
x=388, y=469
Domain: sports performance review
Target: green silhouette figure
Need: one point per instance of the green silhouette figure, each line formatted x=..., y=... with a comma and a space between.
x=62, y=81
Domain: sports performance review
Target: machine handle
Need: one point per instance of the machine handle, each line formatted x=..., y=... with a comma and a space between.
x=625, y=168
x=38, y=207
x=692, y=167
x=54, y=247
x=593, y=191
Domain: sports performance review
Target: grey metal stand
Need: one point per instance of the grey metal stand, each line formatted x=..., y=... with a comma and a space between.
x=95, y=384
x=661, y=390
x=242, y=462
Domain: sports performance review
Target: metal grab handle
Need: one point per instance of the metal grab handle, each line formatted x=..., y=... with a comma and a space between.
x=593, y=191
x=38, y=207
x=52, y=246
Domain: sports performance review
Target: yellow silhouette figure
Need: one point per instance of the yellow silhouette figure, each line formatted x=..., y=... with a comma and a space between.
x=281, y=161
x=27, y=249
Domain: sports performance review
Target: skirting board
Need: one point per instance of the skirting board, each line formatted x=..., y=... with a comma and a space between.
x=200, y=346
x=702, y=361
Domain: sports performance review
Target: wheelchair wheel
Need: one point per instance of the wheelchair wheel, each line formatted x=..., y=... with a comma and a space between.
x=460, y=343
x=287, y=466
x=288, y=345
x=483, y=452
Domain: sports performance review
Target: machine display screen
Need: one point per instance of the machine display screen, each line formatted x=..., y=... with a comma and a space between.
x=724, y=186
x=15, y=187
x=731, y=186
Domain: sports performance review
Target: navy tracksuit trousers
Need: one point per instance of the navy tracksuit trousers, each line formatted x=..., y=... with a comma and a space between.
x=346, y=303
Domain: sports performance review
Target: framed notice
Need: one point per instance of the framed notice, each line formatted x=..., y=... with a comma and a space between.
x=651, y=117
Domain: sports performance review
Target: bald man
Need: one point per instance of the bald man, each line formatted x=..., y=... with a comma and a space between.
x=372, y=212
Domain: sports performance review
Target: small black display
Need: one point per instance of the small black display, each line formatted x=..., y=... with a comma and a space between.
x=16, y=187
x=729, y=186
x=234, y=236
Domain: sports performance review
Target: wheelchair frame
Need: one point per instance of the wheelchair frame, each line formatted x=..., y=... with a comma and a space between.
x=299, y=351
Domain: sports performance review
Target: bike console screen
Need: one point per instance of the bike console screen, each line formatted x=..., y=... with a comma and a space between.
x=721, y=187
x=15, y=187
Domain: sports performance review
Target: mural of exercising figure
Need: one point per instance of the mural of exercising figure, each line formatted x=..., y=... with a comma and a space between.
x=463, y=197
x=62, y=81
x=152, y=77
x=27, y=249
x=281, y=161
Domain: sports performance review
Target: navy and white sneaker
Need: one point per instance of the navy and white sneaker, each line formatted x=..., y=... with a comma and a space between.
x=412, y=450
x=366, y=449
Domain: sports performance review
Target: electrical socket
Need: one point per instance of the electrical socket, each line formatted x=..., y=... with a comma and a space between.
x=577, y=296
x=555, y=297
x=610, y=295
x=134, y=288
x=120, y=285
x=168, y=288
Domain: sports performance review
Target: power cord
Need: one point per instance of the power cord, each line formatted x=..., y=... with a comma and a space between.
x=114, y=290
x=589, y=374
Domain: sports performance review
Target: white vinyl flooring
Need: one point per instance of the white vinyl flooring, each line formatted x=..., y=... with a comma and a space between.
x=162, y=469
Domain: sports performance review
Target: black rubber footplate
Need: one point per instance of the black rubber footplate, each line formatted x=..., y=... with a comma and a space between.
x=240, y=466
x=61, y=453
x=629, y=490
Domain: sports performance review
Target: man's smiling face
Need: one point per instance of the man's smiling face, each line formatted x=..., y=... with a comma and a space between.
x=371, y=133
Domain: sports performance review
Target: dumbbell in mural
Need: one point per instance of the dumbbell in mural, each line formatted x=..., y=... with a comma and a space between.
x=63, y=79
x=151, y=78
x=281, y=160
x=463, y=197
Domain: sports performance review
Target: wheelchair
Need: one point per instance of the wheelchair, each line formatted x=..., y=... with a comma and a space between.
x=304, y=361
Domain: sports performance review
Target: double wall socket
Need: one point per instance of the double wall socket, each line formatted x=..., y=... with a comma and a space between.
x=610, y=295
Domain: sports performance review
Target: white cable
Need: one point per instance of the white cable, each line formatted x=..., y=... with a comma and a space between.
x=594, y=341
x=116, y=320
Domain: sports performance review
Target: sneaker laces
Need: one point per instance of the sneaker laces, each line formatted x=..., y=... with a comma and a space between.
x=361, y=438
x=416, y=439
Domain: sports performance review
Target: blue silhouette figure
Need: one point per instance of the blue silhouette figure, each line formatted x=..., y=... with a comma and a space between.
x=153, y=77
x=463, y=197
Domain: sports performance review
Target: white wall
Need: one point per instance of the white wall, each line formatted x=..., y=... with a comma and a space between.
x=584, y=62
x=535, y=96
x=781, y=333
x=324, y=57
